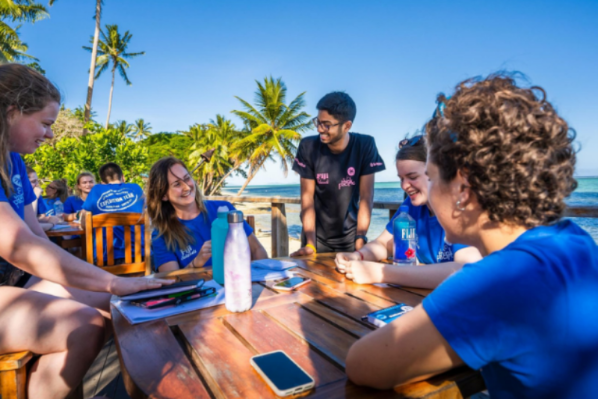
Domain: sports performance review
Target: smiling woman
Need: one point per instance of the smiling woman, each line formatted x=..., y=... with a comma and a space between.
x=64, y=325
x=182, y=220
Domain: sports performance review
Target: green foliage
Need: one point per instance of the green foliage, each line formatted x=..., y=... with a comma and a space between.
x=160, y=145
x=70, y=156
x=12, y=49
x=141, y=129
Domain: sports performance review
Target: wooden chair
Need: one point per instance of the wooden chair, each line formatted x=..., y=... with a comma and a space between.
x=13, y=375
x=94, y=225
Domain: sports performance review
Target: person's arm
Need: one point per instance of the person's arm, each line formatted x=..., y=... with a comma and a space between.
x=407, y=350
x=375, y=251
x=38, y=256
x=467, y=255
x=308, y=216
x=168, y=266
x=205, y=253
x=366, y=203
x=257, y=250
x=33, y=223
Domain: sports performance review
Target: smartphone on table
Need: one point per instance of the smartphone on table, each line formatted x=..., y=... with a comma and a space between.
x=281, y=373
x=291, y=283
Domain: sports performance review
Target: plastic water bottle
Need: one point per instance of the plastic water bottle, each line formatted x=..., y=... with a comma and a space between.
x=404, y=237
x=218, y=233
x=237, y=265
x=58, y=207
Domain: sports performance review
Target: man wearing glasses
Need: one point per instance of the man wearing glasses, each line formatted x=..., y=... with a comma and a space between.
x=337, y=180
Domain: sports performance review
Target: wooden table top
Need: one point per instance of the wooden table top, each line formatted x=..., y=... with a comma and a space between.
x=205, y=353
x=73, y=229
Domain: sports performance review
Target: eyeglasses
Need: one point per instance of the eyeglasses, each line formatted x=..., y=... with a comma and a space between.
x=410, y=142
x=325, y=126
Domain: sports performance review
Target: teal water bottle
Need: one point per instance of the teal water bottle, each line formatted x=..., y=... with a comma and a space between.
x=218, y=232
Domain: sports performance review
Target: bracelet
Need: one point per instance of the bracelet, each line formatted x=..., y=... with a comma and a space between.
x=312, y=247
x=360, y=254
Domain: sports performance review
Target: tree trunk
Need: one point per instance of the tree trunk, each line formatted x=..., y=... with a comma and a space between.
x=110, y=101
x=92, y=68
x=224, y=178
x=250, y=177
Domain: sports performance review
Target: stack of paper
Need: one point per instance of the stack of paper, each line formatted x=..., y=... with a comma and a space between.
x=266, y=275
x=273, y=264
x=136, y=315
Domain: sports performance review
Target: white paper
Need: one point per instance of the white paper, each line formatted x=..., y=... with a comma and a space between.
x=135, y=314
x=266, y=275
x=61, y=226
x=273, y=264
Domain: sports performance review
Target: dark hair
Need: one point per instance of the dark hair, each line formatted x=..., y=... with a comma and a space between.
x=161, y=213
x=30, y=170
x=515, y=150
x=27, y=91
x=413, y=152
x=338, y=104
x=62, y=190
x=110, y=171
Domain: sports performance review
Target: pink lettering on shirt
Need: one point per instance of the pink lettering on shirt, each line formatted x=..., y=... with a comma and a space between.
x=375, y=164
x=346, y=182
x=322, y=178
x=299, y=163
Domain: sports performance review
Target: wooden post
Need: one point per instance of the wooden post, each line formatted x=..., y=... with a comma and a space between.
x=391, y=213
x=251, y=221
x=280, y=232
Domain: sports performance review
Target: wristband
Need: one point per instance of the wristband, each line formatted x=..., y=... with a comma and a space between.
x=312, y=247
x=360, y=254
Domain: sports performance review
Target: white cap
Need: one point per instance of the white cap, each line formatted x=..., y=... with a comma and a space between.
x=222, y=209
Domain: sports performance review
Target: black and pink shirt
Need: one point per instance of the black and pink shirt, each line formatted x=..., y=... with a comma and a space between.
x=337, y=185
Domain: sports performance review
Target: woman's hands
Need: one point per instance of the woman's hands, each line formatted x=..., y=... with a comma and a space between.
x=129, y=285
x=361, y=272
x=204, y=254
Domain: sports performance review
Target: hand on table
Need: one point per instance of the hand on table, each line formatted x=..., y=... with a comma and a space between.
x=129, y=285
x=342, y=259
x=54, y=220
x=364, y=272
x=303, y=251
x=204, y=254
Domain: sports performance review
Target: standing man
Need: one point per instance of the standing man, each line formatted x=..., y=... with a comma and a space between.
x=115, y=196
x=337, y=180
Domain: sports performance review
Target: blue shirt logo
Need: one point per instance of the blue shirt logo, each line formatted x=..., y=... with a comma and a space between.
x=116, y=200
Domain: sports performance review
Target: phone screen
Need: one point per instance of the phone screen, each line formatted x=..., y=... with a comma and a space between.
x=281, y=370
x=291, y=282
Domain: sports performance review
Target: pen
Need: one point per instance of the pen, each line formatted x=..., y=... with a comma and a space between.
x=159, y=303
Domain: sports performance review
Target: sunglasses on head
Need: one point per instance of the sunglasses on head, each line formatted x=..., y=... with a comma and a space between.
x=410, y=142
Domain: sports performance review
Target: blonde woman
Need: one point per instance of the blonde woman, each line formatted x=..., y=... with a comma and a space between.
x=74, y=203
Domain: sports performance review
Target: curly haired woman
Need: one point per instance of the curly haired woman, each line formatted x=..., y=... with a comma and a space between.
x=500, y=165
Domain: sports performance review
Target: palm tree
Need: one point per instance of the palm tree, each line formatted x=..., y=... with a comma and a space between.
x=92, y=68
x=11, y=47
x=113, y=47
x=141, y=129
x=273, y=128
x=122, y=127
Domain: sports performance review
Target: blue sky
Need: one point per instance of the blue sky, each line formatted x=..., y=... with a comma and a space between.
x=391, y=56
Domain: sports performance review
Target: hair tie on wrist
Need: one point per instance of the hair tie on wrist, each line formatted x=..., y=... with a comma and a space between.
x=312, y=247
x=360, y=254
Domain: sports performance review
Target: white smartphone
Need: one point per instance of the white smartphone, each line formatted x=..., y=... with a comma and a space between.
x=281, y=373
x=291, y=283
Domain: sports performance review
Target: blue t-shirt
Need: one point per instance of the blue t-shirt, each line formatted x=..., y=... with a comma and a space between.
x=43, y=208
x=432, y=246
x=527, y=315
x=73, y=204
x=22, y=194
x=116, y=198
x=200, y=229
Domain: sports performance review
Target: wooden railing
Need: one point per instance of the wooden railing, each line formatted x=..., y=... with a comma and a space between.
x=280, y=232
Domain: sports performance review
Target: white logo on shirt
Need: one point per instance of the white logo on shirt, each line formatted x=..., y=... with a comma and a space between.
x=188, y=252
x=116, y=200
x=446, y=253
x=18, y=197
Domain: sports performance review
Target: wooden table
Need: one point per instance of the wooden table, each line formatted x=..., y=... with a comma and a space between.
x=73, y=229
x=205, y=354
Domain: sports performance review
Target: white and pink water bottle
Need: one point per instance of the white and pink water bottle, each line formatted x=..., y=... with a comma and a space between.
x=237, y=265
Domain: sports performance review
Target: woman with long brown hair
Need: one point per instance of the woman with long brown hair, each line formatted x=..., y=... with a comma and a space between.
x=182, y=220
x=69, y=331
x=500, y=165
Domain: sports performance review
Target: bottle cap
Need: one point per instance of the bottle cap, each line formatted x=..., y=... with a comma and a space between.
x=235, y=217
x=222, y=211
x=403, y=208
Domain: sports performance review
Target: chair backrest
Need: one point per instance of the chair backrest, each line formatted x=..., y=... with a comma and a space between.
x=95, y=225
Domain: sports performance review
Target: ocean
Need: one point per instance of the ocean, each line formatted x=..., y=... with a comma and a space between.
x=586, y=194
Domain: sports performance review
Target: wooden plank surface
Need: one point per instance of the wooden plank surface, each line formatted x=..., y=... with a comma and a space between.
x=316, y=325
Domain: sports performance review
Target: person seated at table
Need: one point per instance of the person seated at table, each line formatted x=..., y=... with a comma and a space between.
x=74, y=204
x=44, y=213
x=441, y=258
x=116, y=196
x=58, y=189
x=64, y=326
x=500, y=165
x=182, y=220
